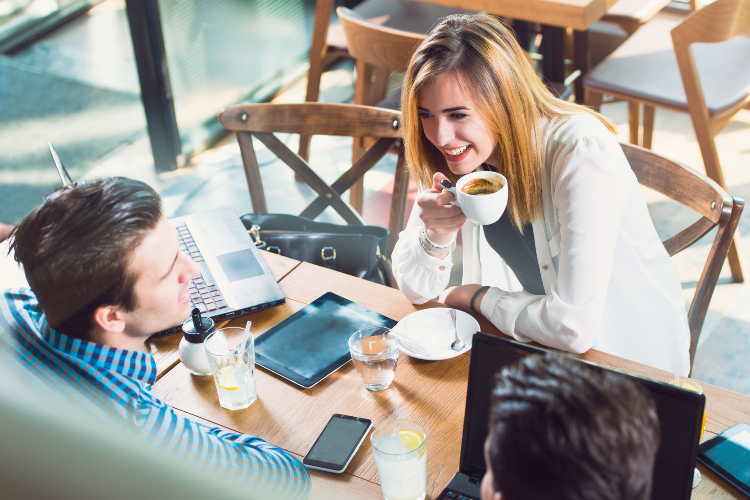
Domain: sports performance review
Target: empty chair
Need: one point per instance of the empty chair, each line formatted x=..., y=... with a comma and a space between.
x=699, y=66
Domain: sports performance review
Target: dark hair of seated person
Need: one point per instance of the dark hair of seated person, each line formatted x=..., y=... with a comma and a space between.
x=564, y=431
x=75, y=249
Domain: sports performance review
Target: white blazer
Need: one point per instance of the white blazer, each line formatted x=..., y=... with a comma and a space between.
x=608, y=281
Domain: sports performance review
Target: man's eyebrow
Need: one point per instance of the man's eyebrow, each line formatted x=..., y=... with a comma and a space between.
x=172, y=266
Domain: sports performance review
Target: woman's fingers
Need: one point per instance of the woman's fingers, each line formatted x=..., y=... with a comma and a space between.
x=437, y=178
x=445, y=225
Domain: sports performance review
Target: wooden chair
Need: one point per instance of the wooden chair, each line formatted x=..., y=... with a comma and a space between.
x=263, y=120
x=378, y=51
x=660, y=70
x=711, y=201
x=329, y=42
x=631, y=14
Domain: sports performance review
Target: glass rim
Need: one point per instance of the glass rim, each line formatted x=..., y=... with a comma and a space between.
x=227, y=352
x=379, y=353
x=424, y=437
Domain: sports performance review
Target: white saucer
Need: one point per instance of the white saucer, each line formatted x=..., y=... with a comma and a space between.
x=412, y=326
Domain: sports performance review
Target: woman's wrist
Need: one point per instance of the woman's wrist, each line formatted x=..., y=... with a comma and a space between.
x=438, y=241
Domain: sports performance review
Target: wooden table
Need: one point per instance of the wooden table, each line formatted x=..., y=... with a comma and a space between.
x=432, y=393
x=555, y=16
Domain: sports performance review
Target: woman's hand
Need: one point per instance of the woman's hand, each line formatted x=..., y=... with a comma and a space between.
x=460, y=296
x=439, y=216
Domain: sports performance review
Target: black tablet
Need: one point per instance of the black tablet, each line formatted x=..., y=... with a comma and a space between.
x=314, y=342
x=728, y=455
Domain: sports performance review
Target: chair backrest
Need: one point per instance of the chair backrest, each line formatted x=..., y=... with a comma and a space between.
x=378, y=45
x=719, y=21
x=263, y=120
x=717, y=208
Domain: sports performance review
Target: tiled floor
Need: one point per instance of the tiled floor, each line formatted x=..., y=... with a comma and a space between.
x=215, y=178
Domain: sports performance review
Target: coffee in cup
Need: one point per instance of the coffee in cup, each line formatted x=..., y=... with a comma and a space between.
x=482, y=185
x=482, y=196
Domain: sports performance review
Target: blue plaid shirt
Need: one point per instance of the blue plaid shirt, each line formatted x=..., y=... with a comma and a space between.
x=102, y=379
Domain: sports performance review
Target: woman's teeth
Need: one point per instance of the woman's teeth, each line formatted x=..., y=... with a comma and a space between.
x=456, y=152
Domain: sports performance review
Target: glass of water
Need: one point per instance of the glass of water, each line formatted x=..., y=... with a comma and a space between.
x=375, y=354
x=232, y=364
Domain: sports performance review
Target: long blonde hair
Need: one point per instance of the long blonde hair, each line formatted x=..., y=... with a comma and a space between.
x=483, y=54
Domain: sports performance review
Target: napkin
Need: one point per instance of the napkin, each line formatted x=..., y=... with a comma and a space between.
x=429, y=333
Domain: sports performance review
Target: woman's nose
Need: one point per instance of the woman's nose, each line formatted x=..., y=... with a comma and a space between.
x=444, y=133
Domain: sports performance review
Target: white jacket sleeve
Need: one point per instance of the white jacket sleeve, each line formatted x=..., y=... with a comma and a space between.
x=589, y=177
x=420, y=276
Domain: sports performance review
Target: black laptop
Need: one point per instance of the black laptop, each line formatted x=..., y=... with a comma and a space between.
x=680, y=415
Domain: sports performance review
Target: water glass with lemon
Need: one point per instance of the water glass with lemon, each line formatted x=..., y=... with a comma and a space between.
x=231, y=356
x=401, y=458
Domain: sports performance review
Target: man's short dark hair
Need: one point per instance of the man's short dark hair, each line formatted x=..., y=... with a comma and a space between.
x=75, y=248
x=565, y=431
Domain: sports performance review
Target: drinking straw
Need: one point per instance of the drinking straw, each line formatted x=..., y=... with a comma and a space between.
x=247, y=334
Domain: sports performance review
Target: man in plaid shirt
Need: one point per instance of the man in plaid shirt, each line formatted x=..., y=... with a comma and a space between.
x=105, y=272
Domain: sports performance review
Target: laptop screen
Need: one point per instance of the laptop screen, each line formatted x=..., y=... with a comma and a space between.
x=680, y=415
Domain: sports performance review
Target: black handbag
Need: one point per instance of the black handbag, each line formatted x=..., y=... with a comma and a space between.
x=352, y=249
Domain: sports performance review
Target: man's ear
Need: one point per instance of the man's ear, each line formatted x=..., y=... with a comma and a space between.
x=110, y=319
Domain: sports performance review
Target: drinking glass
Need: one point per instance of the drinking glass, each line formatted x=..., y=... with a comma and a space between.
x=233, y=367
x=374, y=353
x=401, y=458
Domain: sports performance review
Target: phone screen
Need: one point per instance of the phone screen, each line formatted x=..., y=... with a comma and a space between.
x=338, y=442
x=733, y=455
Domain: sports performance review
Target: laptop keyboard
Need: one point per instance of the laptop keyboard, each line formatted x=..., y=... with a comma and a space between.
x=454, y=495
x=204, y=293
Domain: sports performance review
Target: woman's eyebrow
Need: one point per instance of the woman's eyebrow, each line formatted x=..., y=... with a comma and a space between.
x=446, y=110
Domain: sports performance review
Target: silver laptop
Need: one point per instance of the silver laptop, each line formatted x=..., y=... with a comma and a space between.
x=235, y=279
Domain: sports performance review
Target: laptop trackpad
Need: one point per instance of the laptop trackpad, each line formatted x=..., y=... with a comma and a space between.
x=238, y=266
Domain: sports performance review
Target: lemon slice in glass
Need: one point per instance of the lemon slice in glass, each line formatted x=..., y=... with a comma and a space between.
x=410, y=439
x=226, y=379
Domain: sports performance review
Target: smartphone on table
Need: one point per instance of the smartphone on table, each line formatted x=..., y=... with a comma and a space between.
x=338, y=443
x=728, y=455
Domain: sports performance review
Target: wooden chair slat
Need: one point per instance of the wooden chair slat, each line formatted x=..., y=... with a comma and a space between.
x=677, y=181
x=348, y=120
x=309, y=176
x=688, y=236
x=348, y=178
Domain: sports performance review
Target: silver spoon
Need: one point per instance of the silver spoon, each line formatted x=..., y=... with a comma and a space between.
x=457, y=344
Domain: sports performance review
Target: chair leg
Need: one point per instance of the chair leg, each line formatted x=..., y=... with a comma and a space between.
x=649, y=114
x=592, y=99
x=318, y=47
x=711, y=162
x=634, y=120
x=399, y=199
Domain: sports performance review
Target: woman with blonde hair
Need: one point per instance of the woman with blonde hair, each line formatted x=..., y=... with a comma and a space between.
x=588, y=269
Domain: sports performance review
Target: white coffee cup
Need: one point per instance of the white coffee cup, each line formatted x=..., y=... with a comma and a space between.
x=482, y=209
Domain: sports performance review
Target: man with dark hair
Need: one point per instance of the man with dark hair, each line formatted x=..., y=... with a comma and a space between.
x=106, y=272
x=561, y=430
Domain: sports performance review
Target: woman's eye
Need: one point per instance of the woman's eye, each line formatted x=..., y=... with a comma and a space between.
x=424, y=115
x=458, y=116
